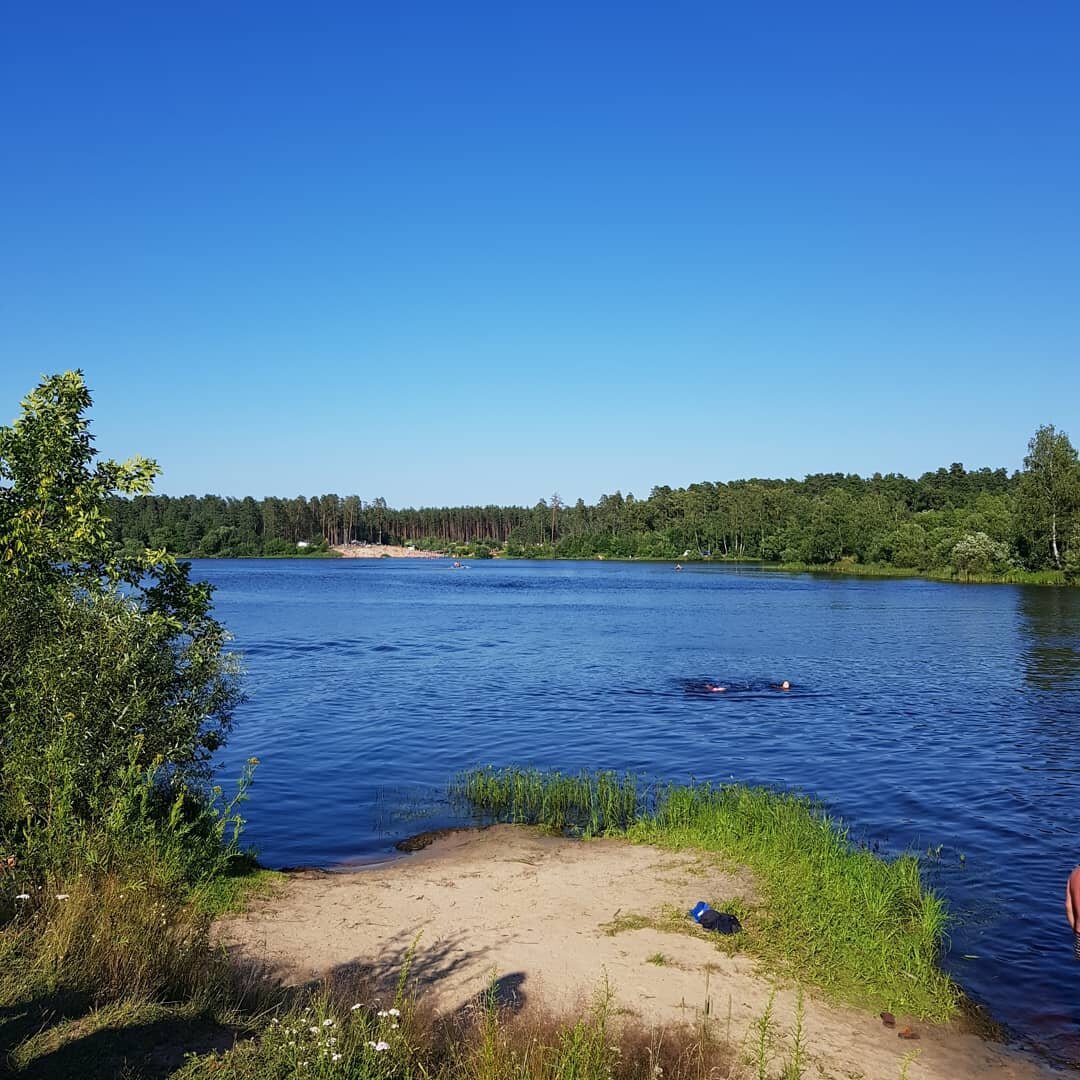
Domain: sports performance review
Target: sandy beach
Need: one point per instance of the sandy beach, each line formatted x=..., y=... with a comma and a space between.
x=382, y=551
x=550, y=918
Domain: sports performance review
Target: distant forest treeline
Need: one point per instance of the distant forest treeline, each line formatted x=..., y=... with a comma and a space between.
x=983, y=521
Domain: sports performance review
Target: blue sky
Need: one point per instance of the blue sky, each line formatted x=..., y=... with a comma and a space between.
x=456, y=253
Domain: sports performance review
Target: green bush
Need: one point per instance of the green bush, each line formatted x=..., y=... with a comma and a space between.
x=115, y=687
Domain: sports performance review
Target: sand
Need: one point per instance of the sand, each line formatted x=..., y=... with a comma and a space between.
x=379, y=551
x=535, y=910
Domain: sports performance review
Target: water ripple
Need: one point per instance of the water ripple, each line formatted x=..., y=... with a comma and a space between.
x=930, y=717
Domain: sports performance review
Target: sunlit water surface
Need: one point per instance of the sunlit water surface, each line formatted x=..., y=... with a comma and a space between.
x=925, y=714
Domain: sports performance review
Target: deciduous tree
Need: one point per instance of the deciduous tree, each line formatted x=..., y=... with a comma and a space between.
x=1050, y=489
x=111, y=665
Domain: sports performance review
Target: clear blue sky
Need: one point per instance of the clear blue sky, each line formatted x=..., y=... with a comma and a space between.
x=456, y=253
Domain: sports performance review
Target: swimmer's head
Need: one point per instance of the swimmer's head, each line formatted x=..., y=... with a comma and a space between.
x=785, y=685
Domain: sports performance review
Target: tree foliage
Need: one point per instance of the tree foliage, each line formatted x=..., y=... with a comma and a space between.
x=1050, y=492
x=822, y=519
x=977, y=553
x=112, y=669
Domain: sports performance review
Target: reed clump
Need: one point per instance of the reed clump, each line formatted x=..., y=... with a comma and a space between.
x=863, y=928
x=592, y=803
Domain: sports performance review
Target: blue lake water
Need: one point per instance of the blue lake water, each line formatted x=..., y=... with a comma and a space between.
x=925, y=714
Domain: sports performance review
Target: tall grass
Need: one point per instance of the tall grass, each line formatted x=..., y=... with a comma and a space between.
x=862, y=928
x=850, y=569
x=88, y=974
x=593, y=803
x=108, y=938
x=1008, y=577
x=885, y=570
x=342, y=1034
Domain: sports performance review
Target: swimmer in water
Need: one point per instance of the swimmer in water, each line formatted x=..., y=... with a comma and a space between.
x=785, y=685
x=714, y=689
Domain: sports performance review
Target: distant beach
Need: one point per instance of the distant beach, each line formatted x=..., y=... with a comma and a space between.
x=383, y=551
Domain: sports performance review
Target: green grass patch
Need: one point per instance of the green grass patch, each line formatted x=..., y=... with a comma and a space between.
x=885, y=570
x=230, y=893
x=859, y=926
x=672, y=920
x=1009, y=577
x=669, y=920
x=863, y=929
x=114, y=973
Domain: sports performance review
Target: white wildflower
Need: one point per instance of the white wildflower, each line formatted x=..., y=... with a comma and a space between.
x=336, y=1057
x=62, y=895
x=393, y=1012
x=379, y=1046
x=23, y=896
x=358, y=1005
x=383, y=1014
x=328, y=1023
x=313, y=1030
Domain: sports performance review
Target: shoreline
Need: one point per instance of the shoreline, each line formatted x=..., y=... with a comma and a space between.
x=552, y=917
x=1041, y=578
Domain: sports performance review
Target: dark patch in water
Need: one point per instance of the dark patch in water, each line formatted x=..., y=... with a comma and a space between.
x=426, y=839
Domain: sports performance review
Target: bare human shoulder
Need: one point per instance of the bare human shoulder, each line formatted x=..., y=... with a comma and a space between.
x=1072, y=897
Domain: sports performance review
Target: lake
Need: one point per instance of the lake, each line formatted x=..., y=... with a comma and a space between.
x=933, y=717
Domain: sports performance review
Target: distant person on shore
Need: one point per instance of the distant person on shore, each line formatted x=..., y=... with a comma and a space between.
x=1072, y=908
